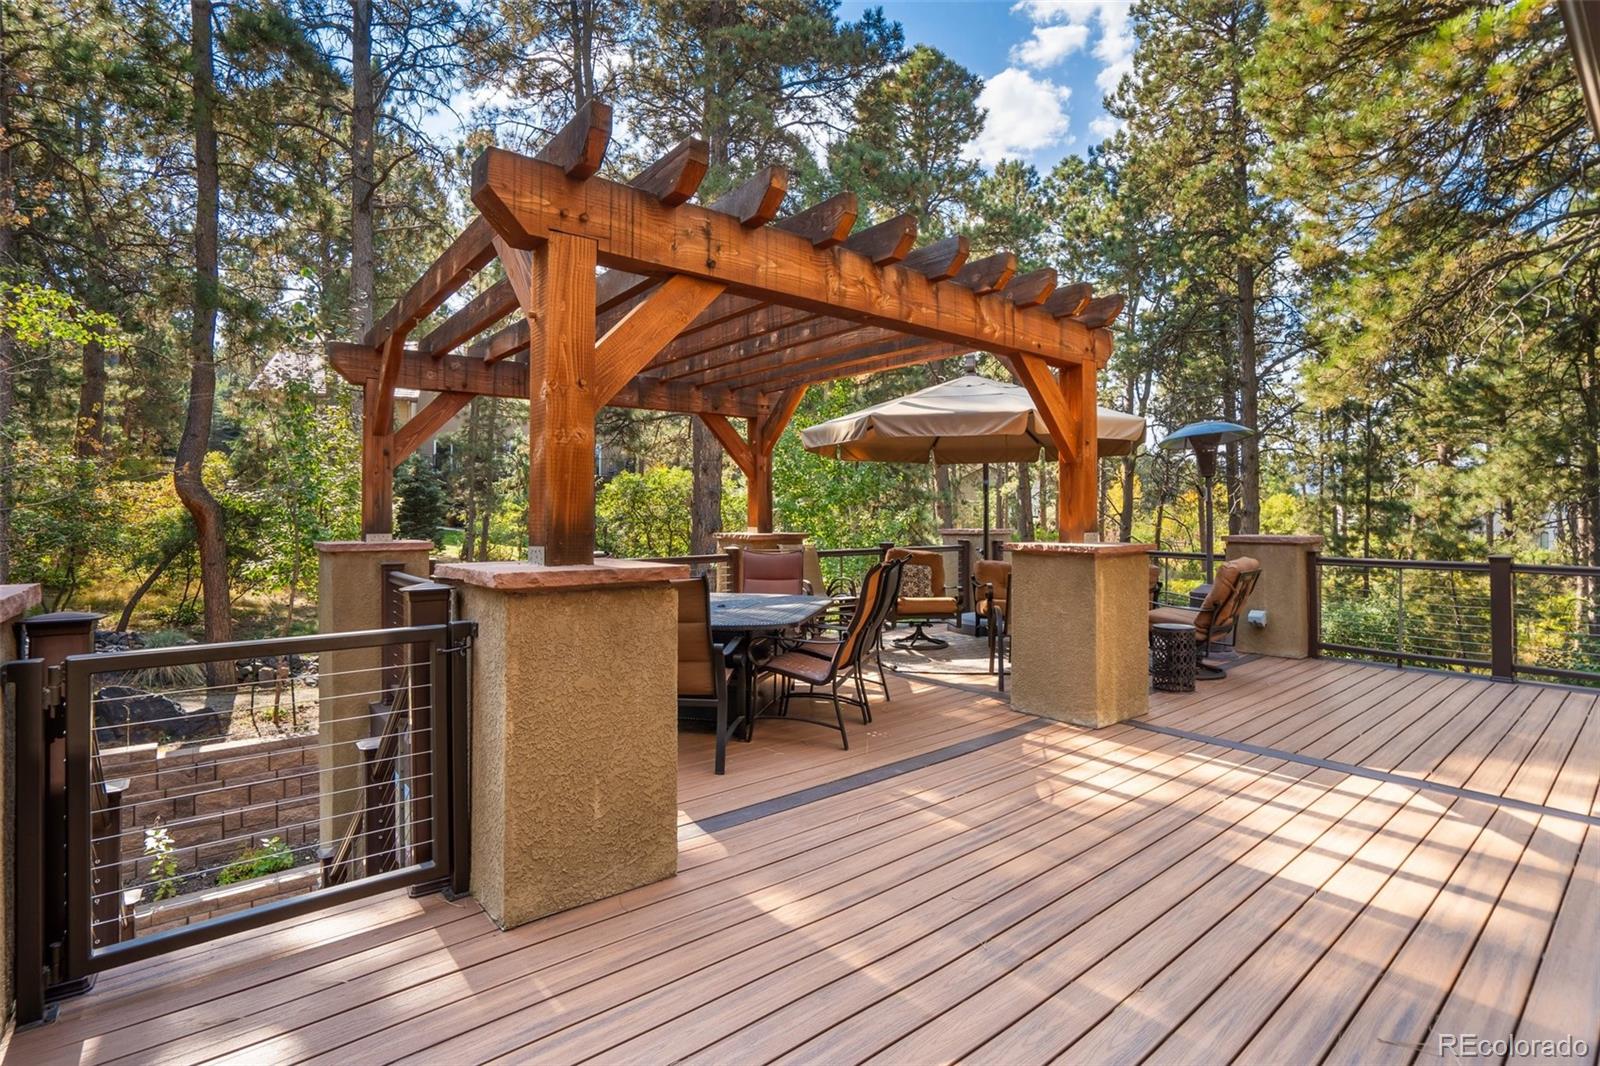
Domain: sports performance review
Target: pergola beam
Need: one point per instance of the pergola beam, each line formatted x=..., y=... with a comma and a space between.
x=529, y=201
x=356, y=363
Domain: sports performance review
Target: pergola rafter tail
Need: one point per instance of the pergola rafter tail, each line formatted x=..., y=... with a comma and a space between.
x=630, y=294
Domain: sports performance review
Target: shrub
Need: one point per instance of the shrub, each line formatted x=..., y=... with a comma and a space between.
x=168, y=678
x=273, y=856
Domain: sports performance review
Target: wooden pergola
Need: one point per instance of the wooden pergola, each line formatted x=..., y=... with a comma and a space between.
x=627, y=294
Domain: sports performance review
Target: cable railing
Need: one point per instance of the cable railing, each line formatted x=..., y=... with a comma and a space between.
x=1496, y=617
x=156, y=810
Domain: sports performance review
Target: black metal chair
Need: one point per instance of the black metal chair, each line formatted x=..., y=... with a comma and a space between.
x=823, y=676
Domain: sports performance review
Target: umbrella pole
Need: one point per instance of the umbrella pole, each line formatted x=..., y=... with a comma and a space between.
x=986, y=510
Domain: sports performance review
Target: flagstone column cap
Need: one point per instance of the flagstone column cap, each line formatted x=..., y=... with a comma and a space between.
x=339, y=546
x=16, y=600
x=1056, y=547
x=1305, y=540
x=533, y=577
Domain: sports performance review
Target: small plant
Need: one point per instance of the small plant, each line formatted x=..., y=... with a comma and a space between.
x=273, y=856
x=159, y=848
x=168, y=678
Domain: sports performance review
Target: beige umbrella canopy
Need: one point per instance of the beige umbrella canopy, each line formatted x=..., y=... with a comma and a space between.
x=969, y=420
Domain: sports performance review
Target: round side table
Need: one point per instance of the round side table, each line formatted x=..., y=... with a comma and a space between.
x=1173, y=657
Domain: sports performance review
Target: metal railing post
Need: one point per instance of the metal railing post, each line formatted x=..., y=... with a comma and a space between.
x=460, y=663
x=425, y=605
x=33, y=973
x=1502, y=618
x=1313, y=604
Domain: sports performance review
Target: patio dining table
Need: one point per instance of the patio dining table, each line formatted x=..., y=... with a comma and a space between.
x=747, y=617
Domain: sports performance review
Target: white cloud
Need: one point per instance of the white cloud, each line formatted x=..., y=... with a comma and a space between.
x=1026, y=114
x=1063, y=20
x=1104, y=126
x=1049, y=45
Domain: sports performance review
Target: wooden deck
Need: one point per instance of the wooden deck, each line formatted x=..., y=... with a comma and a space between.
x=1306, y=862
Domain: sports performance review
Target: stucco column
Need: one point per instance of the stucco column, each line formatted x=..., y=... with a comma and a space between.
x=1288, y=567
x=350, y=598
x=574, y=731
x=1080, y=623
x=15, y=601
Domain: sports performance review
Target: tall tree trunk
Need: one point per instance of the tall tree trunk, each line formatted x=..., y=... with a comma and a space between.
x=705, y=509
x=188, y=472
x=8, y=342
x=1024, y=501
x=1248, y=511
x=363, y=124
x=89, y=435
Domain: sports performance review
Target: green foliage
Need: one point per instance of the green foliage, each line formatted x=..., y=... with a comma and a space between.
x=37, y=315
x=270, y=857
x=420, y=512
x=647, y=515
x=906, y=152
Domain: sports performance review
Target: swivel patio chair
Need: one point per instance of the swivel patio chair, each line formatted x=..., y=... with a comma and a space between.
x=923, y=600
x=1217, y=619
x=823, y=676
x=703, y=670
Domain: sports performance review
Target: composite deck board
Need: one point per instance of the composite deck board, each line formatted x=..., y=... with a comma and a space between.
x=1121, y=895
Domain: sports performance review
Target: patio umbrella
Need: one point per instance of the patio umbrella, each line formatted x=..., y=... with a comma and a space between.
x=971, y=419
x=1204, y=437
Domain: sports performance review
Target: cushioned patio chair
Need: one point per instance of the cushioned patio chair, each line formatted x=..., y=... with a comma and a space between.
x=924, y=598
x=886, y=600
x=1217, y=619
x=991, y=596
x=703, y=671
x=780, y=572
x=823, y=676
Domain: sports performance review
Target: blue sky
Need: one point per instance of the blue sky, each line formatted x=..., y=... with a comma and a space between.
x=1045, y=64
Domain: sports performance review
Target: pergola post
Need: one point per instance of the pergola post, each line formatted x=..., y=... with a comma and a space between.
x=377, y=468
x=559, y=304
x=1078, y=499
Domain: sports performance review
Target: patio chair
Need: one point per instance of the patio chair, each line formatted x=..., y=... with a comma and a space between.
x=923, y=600
x=1217, y=619
x=991, y=598
x=1155, y=585
x=703, y=670
x=886, y=600
x=823, y=676
x=781, y=572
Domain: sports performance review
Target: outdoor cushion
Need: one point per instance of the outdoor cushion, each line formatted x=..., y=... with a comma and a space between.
x=1182, y=616
x=910, y=606
x=916, y=581
x=803, y=667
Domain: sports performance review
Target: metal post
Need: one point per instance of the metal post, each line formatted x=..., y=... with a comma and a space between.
x=1502, y=618
x=33, y=974
x=986, y=510
x=1313, y=605
x=425, y=605
x=460, y=660
x=51, y=638
x=964, y=573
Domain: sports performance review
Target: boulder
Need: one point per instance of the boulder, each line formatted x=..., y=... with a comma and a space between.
x=127, y=715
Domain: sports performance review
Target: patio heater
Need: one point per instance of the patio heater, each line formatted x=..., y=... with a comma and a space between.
x=1204, y=437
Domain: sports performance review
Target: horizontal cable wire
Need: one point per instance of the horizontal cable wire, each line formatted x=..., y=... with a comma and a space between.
x=397, y=828
x=194, y=819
